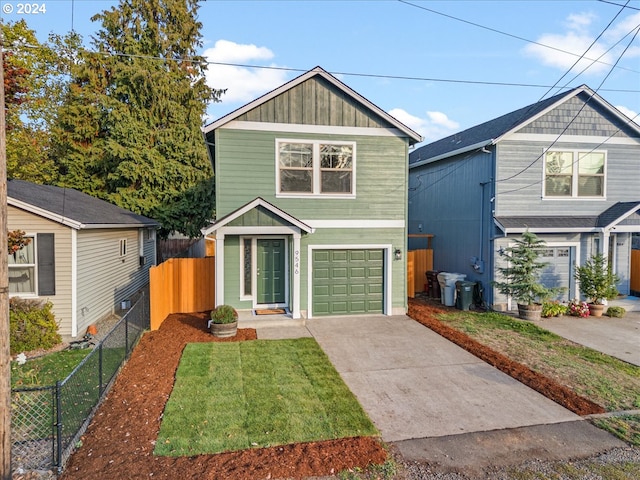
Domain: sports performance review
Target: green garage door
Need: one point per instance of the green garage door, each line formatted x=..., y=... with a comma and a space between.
x=347, y=282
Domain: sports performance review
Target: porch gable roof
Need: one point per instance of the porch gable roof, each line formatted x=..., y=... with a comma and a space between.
x=255, y=204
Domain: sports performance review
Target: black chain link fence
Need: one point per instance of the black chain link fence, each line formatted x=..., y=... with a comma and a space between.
x=47, y=422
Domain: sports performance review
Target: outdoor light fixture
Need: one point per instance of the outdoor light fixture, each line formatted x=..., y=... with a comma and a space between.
x=398, y=254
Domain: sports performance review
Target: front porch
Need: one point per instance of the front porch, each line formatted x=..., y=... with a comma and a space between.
x=250, y=319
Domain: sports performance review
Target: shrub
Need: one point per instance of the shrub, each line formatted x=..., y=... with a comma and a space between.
x=32, y=325
x=553, y=309
x=615, y=312
x=578, y=308
x=224, y=314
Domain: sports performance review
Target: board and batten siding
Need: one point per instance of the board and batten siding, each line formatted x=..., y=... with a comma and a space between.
x=246, y=169
x=18, y=219
x=314, y=102
x=104, y=277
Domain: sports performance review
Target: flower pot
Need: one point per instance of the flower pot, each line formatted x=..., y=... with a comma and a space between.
x=531, y=312
x=224, y=330
x=595, y=309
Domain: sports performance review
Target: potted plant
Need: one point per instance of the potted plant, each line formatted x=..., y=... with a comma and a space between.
x=597, y=282
x=224, y=321
x=522, y=275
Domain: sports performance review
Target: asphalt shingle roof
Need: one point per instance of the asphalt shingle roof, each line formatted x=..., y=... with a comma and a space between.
x=74, y=205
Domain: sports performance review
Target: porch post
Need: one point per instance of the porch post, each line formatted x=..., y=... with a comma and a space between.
x=219, y=277
x=296, y=275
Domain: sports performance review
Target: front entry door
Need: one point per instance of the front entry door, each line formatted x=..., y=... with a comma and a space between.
x=271, y=271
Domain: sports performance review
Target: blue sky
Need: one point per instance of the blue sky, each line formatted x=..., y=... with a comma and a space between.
x=371, y=45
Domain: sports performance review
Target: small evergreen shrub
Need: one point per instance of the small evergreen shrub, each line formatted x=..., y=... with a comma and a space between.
x=224, y=314
x=32, y=325
x=615, y=312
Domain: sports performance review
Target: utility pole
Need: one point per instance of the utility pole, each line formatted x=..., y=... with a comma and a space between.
x=5, y=353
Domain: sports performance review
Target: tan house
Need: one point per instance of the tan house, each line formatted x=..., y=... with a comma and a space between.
x=86, y=255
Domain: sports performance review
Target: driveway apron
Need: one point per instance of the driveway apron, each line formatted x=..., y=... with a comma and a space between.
x=413, y=383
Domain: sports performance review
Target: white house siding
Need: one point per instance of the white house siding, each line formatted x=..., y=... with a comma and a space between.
x=104, y=277
x=31, y=224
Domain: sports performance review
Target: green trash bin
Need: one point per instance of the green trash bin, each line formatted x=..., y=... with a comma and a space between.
x=464, y=294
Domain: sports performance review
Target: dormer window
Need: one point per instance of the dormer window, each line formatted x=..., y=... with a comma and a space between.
x=315, y=168
x=577, y=174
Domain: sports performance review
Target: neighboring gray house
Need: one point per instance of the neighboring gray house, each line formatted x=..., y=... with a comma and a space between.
x=85, y=255
x=567, y=168
x=311, y=196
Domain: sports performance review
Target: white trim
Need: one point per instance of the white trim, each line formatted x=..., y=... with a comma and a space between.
x=313, y=129
x=302, y=78
x=44, y=213
x=356, y=223
x=575, y=174
x=297, y=255
x=219, y=261
x=388, y=271
x=258, y=230
x=549, y=138
x=453, y=153
x=316, y=171
x=74, y=282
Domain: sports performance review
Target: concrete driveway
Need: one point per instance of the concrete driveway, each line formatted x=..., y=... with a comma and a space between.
x=618, y=337
x=413, y=383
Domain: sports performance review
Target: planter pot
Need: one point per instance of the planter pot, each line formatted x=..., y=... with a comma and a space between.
x=531, y=312
x=596, y=310
x=224, y=330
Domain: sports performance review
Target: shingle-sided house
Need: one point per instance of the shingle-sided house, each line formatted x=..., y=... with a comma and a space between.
x=311, y=191
x=86, y=255
x=566, y=168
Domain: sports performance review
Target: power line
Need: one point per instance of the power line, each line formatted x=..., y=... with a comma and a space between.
x=495, y=30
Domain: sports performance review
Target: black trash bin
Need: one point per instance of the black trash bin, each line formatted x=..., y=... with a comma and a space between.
x=464, y=294
x=433, y=286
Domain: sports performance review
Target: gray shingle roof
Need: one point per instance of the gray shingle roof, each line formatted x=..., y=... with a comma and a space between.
x=71, y=204
x=485, y=132
x=615, y=212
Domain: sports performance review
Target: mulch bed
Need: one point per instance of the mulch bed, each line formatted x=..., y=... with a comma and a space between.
x=424, y=312
x=120, y=440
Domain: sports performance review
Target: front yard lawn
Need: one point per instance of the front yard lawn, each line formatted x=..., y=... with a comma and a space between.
x=46, y=370
x=242, y=395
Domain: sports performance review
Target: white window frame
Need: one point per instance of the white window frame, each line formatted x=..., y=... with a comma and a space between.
x=33, y=265
x=575, y=175
x=123, y=247
x=316, y=171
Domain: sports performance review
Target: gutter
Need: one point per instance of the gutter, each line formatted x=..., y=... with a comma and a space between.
x=469, y=148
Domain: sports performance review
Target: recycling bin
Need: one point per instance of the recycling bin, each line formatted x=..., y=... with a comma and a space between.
x=448, y=287
x=464, y=294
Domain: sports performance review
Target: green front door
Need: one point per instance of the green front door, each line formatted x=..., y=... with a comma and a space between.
x=271, y=273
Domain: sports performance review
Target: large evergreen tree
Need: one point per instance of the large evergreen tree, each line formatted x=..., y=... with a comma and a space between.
x=35, y=80
x=130, y=129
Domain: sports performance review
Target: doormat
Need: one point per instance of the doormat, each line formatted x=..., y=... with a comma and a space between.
x=271, y=311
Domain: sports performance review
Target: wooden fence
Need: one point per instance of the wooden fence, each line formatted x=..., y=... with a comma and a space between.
x=418, y=263
x=181, y=285
x=635, y=272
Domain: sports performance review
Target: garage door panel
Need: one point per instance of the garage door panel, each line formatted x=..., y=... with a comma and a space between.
x=354, y=279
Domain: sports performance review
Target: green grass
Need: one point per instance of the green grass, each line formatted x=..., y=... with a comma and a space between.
x=240, y=395
x=606, y=380
x=46, y=370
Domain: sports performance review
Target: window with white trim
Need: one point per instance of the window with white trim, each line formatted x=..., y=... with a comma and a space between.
x=315, y=167
x=22, y=269
x=573, y=173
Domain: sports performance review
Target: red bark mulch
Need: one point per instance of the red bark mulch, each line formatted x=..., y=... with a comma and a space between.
x=119, y=442
x=425, y=314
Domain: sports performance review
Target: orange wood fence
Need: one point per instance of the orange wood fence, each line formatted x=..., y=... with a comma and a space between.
x=635, y=270
x=181, y=285
x=418, y=263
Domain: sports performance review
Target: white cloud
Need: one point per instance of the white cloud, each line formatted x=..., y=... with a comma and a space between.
x=435, y=126
x=575, y=40
x=629, y=113
x=243, y=84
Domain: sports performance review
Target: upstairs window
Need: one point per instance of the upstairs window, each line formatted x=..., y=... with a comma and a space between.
x=574, y=174
x=315, y=168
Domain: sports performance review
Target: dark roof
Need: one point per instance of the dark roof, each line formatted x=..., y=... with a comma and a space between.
x=70, y=204
x=487, y=131
x=611, y=216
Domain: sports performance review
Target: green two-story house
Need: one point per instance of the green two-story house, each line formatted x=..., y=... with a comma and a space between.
x=311, y=202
